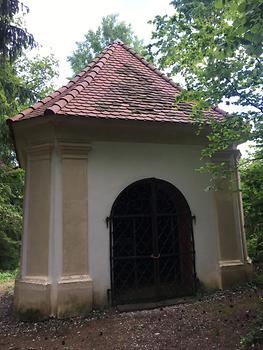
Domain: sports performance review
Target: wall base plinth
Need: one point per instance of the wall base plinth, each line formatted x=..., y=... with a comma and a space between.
x=75, y=296
x=235, y=272
x=36, y=297
x=32, y=297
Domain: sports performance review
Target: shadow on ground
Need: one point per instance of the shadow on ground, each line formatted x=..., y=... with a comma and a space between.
x=216, y=321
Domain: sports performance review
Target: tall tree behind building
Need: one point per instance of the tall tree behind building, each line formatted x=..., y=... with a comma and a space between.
x=109, y=30
x=217, y=45
x=22, y=82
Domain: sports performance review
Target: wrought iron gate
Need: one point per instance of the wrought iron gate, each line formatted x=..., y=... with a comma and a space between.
x=152, y=248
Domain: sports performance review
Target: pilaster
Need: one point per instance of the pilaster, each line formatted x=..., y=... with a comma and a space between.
x=75, y=294
x=55, y=277
x=234, y=264
x=32, y=289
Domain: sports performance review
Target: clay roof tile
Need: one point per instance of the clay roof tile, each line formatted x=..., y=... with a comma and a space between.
x=117, y=84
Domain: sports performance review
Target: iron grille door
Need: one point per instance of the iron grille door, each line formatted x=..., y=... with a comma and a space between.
x=152, y=254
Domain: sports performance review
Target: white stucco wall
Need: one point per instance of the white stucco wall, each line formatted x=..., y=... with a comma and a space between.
x=113, y=166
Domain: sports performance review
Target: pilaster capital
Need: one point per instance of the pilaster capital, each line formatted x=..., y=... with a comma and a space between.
x=71, y=149
x=40, y=151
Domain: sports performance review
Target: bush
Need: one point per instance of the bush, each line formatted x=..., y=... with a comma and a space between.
x=255, y=248
x=254, y=337
x=11, y=202
x=6, y=276
x=252, y=192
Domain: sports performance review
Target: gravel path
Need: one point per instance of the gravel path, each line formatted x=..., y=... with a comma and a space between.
x=217, y=321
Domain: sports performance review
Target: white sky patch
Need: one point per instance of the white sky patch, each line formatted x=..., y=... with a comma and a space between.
x=244, y=148
x=58, y=24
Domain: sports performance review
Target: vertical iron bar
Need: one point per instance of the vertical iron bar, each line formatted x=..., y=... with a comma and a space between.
x=155, y=236
x=193, y=254
x=174, y=249
x=134, y=253
x=111, y=261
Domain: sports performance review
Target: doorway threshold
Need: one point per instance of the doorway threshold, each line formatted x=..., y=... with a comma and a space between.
x=152, y=305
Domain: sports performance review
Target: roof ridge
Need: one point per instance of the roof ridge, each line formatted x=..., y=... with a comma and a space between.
x=78, y=83
x=86, y=76
x=149, y=65
x=117, y=41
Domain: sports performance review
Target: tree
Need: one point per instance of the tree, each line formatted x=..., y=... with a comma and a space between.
x=252, y=190
x=11, y=199
x=14, y=37
x=217, y=46
x=22, y=82
x=95, y=41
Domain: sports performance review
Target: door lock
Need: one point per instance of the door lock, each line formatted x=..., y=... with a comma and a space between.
x=155, y=257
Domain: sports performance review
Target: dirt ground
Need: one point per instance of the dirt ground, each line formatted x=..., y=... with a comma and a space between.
x=217, y=321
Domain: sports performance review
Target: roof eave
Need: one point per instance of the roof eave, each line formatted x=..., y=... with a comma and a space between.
x=9, y=122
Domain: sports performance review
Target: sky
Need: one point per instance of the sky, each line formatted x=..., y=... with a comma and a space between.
x=58, y=24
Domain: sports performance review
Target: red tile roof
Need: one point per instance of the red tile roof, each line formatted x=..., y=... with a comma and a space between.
x=118, y=84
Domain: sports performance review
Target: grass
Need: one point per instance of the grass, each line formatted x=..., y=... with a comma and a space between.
x=6, y=276
x=257, y=280
x=255, y=335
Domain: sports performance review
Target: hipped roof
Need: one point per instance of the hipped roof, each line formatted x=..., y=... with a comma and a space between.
x=118, y=84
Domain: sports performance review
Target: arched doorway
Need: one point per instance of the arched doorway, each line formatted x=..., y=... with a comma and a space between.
x=151, y=243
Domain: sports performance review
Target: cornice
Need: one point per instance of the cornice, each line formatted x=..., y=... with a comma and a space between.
x=70, y=149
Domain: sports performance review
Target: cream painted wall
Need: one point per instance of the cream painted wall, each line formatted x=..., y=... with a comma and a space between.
x=113, y=166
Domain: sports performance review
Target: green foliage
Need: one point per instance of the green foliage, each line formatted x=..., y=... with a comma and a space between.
x=252, y=191
x=7, y=276
x=9, y=86
x=217, y=46
x=11, y=199
x=252, y=247
x=257, y=280
x=95, y=41
x=254, y=337
x=22, y=82
x=14, y=37
x=36, y=76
